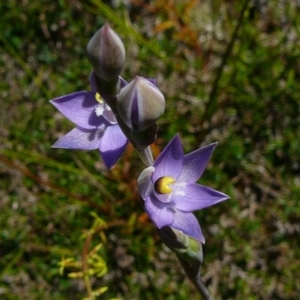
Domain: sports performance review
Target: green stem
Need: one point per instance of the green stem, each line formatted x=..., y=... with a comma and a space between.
x=85, y=266
x=212, y=101
x=146, y=156
x=193, y=273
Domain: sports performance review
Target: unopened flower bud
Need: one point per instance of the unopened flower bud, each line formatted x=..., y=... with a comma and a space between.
x=140, y=104
x=106, y=53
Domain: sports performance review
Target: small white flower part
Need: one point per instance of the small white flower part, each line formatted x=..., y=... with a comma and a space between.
x=99, y=109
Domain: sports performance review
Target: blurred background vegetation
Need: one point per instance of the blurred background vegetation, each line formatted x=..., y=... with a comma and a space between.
x=230, y=72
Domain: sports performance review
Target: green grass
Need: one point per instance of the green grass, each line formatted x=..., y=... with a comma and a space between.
x=237, y=83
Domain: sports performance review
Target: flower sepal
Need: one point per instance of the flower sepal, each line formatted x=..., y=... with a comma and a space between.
x=183, y=245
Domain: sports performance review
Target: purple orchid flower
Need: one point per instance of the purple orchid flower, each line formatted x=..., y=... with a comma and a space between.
x=96, y=125
x=170, y=191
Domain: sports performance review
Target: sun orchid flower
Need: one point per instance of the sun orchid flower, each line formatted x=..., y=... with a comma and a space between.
x=170, y=191
x=96, y=125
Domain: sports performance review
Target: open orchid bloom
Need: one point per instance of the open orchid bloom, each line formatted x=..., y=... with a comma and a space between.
x=170, y=191
x=96, y=125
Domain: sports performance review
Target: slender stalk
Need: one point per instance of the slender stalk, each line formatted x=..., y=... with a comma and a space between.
x=193, y=273
x=212, y=101
x=201, y=288
x=26, y=172
x=146, y=156
x=85, y=266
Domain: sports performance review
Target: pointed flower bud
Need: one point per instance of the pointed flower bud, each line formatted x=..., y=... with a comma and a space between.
x=106, y=53
x=140, y=104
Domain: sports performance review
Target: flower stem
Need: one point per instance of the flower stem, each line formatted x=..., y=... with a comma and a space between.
x=193, y=273
x=146, y=156
x=212, y=101
x=85, y=266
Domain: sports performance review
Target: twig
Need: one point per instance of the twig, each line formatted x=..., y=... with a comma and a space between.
x=209, y=109
x=26, y=172
x=85, y=266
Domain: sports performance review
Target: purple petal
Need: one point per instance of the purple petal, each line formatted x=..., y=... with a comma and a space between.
x=158, y=212
x=194, y=196
x=164, y=198
x=195, y=163
x=169, y=162
x=123, y=82
x=79, y=108
x=112, y=145
x=152, y=80
x=109, y=115
x=188, y=224
x=80, y=139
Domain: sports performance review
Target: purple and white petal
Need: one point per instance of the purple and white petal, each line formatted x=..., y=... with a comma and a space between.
x=108, y=115
x=158, y=212
x=80, y=139
x=169, y=162
x=79, y=108
x=165, y=198
x=188, y=224
x=112, y=145
x=123, y=82
x=145, y=184
x=195, y=163
x=192, y=197
x=152, y=80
